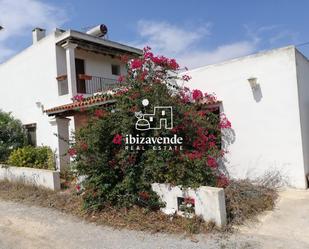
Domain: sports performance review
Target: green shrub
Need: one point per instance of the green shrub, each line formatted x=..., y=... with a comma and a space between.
x=12, y=135
x=33, y=157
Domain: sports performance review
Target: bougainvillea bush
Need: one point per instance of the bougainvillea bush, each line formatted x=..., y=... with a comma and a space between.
x=122, y=176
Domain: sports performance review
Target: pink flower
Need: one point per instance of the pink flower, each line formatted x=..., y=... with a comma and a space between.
x=117, y=139
x=136, y=64
x=99, y=113
x=189, y=200
x=184, y=97
x=212, y=137
x=173, y=64
x=222, y=181
x=146, y=49
x=224, y=122
x=78, y=188
x=186, y=77
x=78, y=97
x=72, y=151
x=197, y=95
x=194, y=155
x=147, y=53
x=160, y=60
x=143, y=75
x=212, y=144
x=211, y=162
x=121, y=78
x=210, y=98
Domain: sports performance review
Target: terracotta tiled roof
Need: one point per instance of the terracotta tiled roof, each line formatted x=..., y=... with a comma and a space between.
x=87, y=102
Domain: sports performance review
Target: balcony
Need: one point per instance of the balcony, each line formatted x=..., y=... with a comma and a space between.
x=87, y=84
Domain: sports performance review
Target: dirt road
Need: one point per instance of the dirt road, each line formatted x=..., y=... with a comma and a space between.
x=24, y=227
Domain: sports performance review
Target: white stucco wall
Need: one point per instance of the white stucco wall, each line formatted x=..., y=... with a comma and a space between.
x=302, y=66
x=266, y=122
x=98, y=64
x=27, y=78
x=38, y=177
x=209, y=202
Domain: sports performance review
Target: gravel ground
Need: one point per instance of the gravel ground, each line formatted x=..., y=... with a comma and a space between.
x=25, y=227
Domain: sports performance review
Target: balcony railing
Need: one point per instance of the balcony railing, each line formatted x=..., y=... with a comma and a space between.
x=92, y=84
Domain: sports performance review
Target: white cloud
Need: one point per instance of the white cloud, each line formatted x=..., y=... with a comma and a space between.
x=168, y=38
x=20, y=17
x=198, y=58
x=182, y=43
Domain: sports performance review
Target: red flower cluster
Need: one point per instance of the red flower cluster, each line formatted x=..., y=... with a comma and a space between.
x=165, y=62
x=78, y=97
x=194, y=155
x=99, y=113
x=222, y=181
x=117, y=139
x=78, y=188
x=224, y=122
x=136, y=64
x=147, y=53
x=211, y=162
x=200, y=143
x=189, y=200
x=121, y=78
x=197, y=94
x=72, y=151
x=210, y=98
x=186, y=77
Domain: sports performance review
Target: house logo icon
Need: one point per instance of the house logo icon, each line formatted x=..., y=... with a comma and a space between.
x=162, y=117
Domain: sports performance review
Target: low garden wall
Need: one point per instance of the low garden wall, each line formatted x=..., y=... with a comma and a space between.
x=207, y=202
x=38, y=177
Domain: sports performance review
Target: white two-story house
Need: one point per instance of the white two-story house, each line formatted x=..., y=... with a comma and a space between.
x=38, y=84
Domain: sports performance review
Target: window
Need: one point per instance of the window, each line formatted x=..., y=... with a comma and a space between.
x=63, y=87
x=31, y=133
x=115, y=70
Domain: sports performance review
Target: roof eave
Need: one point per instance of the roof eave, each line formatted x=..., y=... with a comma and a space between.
x=64, y=37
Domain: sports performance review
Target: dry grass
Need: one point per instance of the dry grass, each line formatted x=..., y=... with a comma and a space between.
x=245, y=200
x=135, y=218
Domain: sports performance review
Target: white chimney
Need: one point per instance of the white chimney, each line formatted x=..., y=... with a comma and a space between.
x=38, y=34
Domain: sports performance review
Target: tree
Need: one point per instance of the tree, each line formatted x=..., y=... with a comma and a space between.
x=12, y=135
x=121, y=176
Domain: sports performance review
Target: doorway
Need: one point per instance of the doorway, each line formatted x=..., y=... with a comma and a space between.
x=80, y=70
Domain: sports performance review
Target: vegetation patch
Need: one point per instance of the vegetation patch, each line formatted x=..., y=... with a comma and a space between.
x=41, y=157
x=244, y=202
x=12, y=135
x=136, y=218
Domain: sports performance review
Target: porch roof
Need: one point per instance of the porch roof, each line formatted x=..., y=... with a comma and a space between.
x=77, y=105
x=96, y=44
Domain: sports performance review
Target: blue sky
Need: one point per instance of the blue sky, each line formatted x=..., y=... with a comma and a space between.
x=194, y=32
